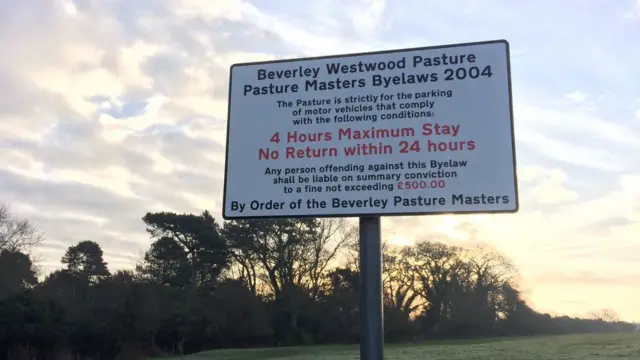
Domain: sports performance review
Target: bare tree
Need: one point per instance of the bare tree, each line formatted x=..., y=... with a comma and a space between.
x=332, y=236
x=437, y=269
x=605, y=315
x=288, y=252
x=17, y=234
x=245, y=267
x=490, y=273
x=399, y=281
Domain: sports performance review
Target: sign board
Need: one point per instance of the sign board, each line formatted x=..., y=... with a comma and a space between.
x=403, y=132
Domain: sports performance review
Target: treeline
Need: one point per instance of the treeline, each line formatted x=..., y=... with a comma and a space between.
x=204, y=285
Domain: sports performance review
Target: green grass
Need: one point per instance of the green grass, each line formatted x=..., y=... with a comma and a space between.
x=578, y=347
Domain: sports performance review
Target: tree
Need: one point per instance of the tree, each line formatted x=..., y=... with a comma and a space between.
x=332, y=236
x=17, y=272
x=289, y=255
x=241, y=318
x=64, y=287
x=490, y=271
x=436, y=267
x=340, y=318
x=85, y=259
x=201, y=239
x=17, y=234
x=400, y=281
x=281, y=248
x=605, y=315
x=165, y=263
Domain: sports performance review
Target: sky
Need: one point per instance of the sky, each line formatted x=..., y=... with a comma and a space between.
x=114, y=108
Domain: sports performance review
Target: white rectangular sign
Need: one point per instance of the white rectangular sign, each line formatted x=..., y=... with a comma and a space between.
x=403, y=132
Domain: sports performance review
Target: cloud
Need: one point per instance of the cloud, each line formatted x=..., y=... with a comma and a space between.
x=569, y=136
x=577, y=96
x=116, y=120
x=634, y=12
x=112, y=109
x=549, y=185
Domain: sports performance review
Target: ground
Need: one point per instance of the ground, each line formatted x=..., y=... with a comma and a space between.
x=578, y=347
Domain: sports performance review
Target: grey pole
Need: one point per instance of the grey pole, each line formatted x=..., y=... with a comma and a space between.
x=371, y=308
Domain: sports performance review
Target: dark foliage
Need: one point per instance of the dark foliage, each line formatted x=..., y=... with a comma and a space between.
x=289, y=282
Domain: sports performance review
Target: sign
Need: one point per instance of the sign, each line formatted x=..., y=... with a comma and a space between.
x=403, y=132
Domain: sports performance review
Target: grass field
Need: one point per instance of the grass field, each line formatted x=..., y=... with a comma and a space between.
x=578, y=347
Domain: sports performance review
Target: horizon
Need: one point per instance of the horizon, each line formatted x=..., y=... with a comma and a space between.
x=116, y=109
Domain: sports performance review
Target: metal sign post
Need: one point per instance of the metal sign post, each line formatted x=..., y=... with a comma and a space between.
x=371, y=306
